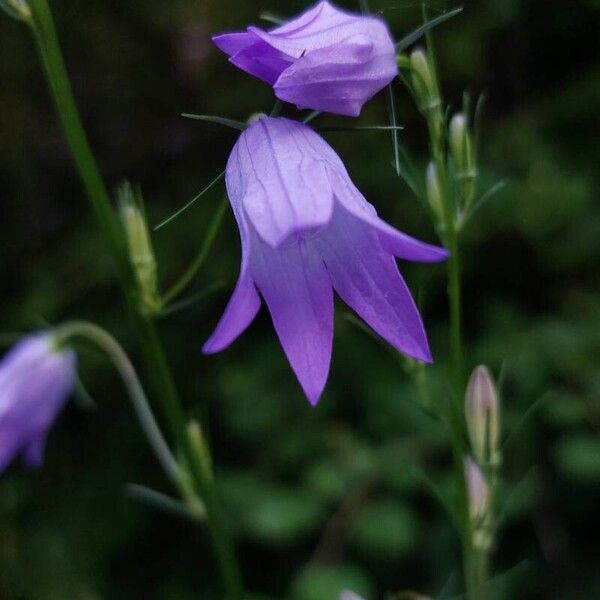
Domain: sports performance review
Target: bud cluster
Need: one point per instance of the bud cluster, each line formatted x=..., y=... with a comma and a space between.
x=483, y=426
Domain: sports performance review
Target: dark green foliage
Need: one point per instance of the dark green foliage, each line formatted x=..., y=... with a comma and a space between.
x=334, y=497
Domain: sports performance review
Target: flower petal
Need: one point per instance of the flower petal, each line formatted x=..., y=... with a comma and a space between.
x=395, y=242
x=367, y=278
x=297, y=289
x=287, y=188
x=338, y=78
x=323, y=26
x=245, y=301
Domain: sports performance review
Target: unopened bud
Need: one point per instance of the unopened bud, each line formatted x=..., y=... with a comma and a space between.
x=139, y=245
x=482, y=415
x=423, y=80
x=478, y=491
x=18, y=9
x=434, y=190
x=461, y=150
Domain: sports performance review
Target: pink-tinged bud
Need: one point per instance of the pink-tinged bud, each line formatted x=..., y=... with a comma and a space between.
x=478, y=492
x=434, y=191
x=482, y=415
x=347, y=595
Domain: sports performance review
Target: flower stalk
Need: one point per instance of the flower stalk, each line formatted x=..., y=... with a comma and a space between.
x=44, y=33
x=451, y=171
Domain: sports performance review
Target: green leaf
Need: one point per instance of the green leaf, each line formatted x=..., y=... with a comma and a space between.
x=163, y=502
x=578, y=457
x=385, y=529
x=419, y=32
x=239, y=125
x=324, y=582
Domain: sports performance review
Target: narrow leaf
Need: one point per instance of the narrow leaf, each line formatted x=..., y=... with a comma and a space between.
x=393, y=124
x=164, y=503
x=239, y=125
x=313, y=115
x=486, y=196
x=360, y=128
x=191, y=202
x=419, y=32
x=177, y=307
x=270, y=17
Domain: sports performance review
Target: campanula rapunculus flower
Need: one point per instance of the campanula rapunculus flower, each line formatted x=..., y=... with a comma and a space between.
x=305, y=231
x=326, y=59
x=36, y=379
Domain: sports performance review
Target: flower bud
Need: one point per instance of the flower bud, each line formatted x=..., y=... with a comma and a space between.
x=139, y=245
x=18, y=9
x=482, y=415
x=478, y=491
x=423, y=81
x=461, y=150
x=434, y=191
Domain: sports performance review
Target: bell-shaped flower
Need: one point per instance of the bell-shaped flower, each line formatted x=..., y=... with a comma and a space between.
x=36, y=379
x=306, y=230
x=326, y=59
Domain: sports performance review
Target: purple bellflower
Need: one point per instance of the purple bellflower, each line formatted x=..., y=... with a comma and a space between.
x=306, y=230
x=326, y=59
x=36, y=379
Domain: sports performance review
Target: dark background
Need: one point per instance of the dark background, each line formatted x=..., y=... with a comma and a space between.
x=532, y=312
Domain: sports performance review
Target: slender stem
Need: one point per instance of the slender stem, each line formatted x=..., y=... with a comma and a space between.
x=474, y=561
x=44, y=31
x=132, y=383
x=201, y=257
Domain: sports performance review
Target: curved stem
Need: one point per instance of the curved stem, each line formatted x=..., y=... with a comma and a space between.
x=126, y=370
x=44, y=31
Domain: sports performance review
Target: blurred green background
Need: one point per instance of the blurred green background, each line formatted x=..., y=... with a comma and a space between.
x=331, y=497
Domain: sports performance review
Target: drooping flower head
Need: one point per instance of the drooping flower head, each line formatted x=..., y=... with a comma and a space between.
x=326, y=59
x=305, y=231
x=36, y=379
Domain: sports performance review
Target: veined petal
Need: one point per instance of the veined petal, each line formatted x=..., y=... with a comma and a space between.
x=297, y=289
x=338, y=78
x=366, y=277
x=245, y=301
x=395, y=242
x=287, y=189
x=323, y=26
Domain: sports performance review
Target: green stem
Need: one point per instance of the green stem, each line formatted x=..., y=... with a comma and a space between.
x=45, y=35
x=121, y=361
x=201, y=257
x=474, y=562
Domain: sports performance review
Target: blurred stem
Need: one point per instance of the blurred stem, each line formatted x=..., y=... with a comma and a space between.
x=180, y=286
x=44, y=31
x=126, y=370
x=474, y=562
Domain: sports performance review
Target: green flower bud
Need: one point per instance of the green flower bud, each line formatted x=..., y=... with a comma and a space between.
x=461, y=151
x=434, y=191
x=483, y=416
x=423, y=81
x=18, y=9
x=139, y=245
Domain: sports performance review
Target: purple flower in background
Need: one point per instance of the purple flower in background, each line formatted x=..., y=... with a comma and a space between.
x=36, y=379
x=325, y=59
x=306, y=230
